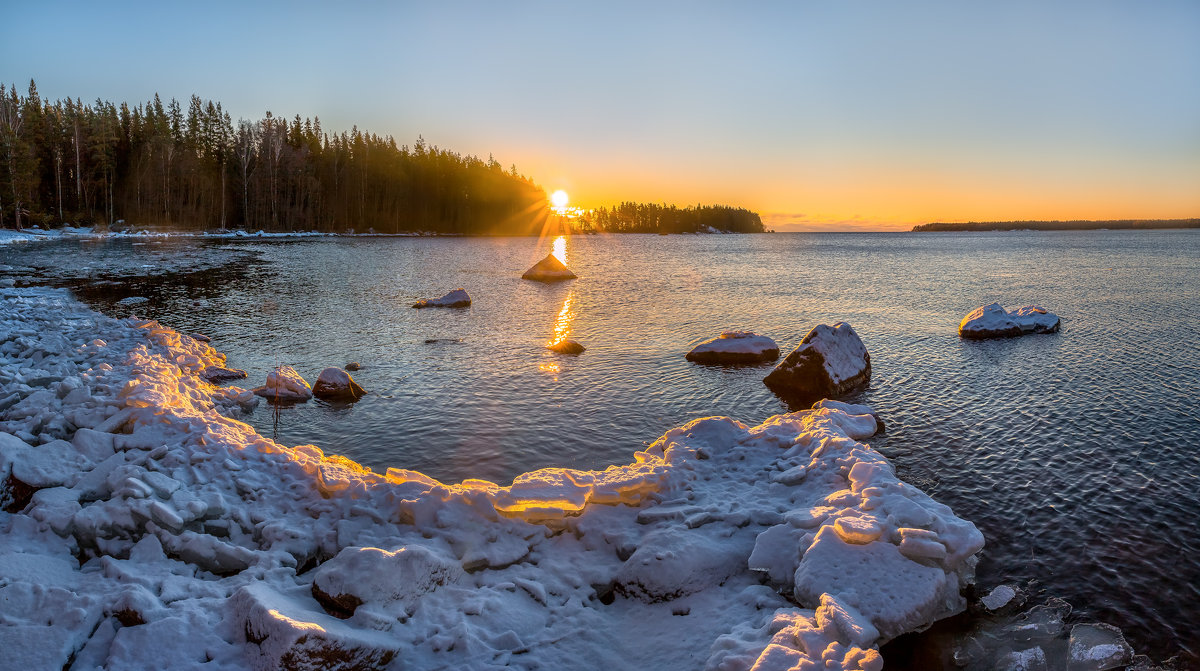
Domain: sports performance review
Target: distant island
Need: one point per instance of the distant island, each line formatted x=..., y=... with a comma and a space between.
x=190, y=167
x=1077, y=225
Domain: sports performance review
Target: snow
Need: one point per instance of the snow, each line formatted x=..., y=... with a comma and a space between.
x=993, y=321
x=733, y=347
x=455, y=299
x=830, y=361
x=161, y=532
x=549, y=269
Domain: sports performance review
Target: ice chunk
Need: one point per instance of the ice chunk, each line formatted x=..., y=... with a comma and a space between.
x=1096, y=647
x=999, y=597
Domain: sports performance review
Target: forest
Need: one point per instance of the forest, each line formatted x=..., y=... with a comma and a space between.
x=652, y=218
x=164, y=164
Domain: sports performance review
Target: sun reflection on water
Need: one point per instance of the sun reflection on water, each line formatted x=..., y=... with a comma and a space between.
x=560, y=249
x=562, y=327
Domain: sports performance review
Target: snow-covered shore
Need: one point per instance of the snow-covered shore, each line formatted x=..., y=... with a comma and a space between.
x=145, y=527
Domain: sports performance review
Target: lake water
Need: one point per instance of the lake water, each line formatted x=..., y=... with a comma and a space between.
x=1077, y=454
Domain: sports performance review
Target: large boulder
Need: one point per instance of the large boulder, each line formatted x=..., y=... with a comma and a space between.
x=549, y=269
x=285, y=384
x=830, y=361
x=993, y=321
x=336, y=384
x=455, y=299
x=734, y=347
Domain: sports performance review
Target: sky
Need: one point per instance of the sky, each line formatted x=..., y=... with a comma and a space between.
x=818, y=115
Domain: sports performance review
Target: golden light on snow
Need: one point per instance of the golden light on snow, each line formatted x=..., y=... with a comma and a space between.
x=560, y=249
x=559, y=199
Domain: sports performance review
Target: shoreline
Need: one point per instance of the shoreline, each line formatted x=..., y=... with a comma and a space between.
x=166, y=510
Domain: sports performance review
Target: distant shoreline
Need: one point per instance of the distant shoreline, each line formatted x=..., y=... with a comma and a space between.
x=1115, y=224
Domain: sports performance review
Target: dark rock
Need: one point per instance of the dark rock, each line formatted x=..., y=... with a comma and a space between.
x=455, y=299
x=336, y=384
x=566, y=347
x=353, y=366
x=217, y=374
x=549, y=269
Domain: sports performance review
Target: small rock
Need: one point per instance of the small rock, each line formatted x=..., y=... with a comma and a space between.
x=218, y=374
x=285, y=384
x=565, y=346
x=455, y=299
x=353, y=366
x=735, y=347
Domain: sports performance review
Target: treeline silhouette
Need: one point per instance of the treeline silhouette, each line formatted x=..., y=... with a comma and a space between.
x=653, y=218
x=1076, y=225
x=162, y=164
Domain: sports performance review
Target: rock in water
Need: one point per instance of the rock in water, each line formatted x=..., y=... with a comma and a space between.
x=353, y=366
x=549, y=269
x=566, y=347
x=455, y=299
x=336, y=384
x=735, y=347
x=219, y=374
x=285, y=384
x=992, y=321
x=830, y=361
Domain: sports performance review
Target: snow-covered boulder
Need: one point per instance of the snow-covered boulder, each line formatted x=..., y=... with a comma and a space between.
x=455, y=299
x=830, y=361
x=219, y=374
x=993, y=321
x=285, y=384
x=733, y=347
x=336, y=384
x=549, y=269
x=392, y=580
x=565, y=346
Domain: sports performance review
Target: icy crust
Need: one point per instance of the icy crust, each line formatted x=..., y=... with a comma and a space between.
x=993, y=321
x=733, y=347
x=170, y=535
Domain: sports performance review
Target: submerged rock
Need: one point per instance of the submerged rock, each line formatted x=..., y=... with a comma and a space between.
x=733, y=347
x=830, y=361
x=992, y=321
x=336, y=384
x=455, y=299
x=549, y=269
x=219, y=374
x=285, y=384
x=565, y=346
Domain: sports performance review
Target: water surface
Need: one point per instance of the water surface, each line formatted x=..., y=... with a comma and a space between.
x=1077, y=454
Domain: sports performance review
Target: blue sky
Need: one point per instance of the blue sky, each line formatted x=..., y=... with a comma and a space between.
x=845, y=115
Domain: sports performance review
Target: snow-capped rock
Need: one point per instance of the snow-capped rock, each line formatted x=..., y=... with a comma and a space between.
x=336, y=384
x=830, y=361
x=455, y=299
x=549, y=269
x=993, y=321
x=735, y=347
x=285, y=384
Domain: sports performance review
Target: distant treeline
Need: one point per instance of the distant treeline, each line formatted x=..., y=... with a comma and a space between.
x=1078, y=225
x=652, y=218
x=164, y=164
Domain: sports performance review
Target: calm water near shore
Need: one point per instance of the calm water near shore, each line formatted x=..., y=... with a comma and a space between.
x=1077, y=454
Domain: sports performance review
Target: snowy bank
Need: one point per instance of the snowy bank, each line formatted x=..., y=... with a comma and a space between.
x=145, y=527
x=993, y=321
x=734, y=347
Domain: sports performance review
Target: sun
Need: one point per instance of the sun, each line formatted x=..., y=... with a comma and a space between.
x=559, y=199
